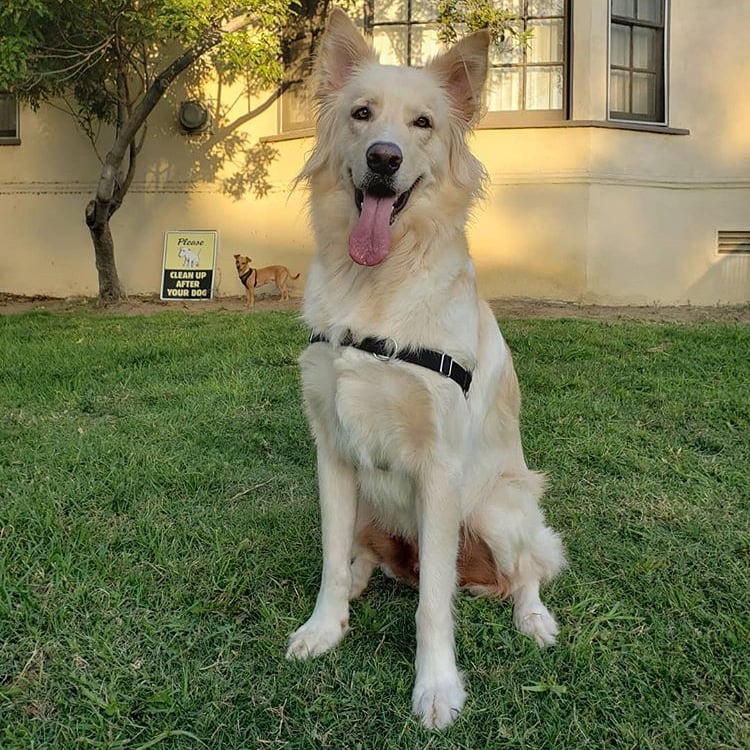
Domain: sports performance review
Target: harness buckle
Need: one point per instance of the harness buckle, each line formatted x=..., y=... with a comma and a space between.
x=443, y=371
x=392, y=349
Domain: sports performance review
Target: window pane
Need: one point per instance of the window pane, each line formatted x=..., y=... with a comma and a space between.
x=644, y=94
x=424, y=10
x=546, y=44
x=619, y=100
x=620, y=45
x=297, y=108
x=644, y=48
x=505, y=90
x=389, y=10
x=424, y=44
x=624, y=8
x=649, y=10
x=542, y=8
x=544, y=88
x=508, y=52
x=390, y=44
x=512, y=6
x=8, y=116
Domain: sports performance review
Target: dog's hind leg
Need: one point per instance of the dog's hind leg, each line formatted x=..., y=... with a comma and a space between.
x=364, y=557
x=363, y=566
x=526, y=551
x=281, y=284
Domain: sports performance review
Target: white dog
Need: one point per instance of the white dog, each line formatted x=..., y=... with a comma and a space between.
x=190, y=259
x=408, y=384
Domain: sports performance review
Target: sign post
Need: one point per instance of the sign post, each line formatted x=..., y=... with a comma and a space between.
x=188, y=266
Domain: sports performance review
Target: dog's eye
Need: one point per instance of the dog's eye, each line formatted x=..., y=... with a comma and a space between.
x=361, y=113
x=423, y=122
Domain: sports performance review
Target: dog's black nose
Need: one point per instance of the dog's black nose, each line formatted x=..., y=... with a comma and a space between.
x=384, y=158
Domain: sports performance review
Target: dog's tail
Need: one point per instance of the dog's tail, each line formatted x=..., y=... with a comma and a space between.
x=295, y=277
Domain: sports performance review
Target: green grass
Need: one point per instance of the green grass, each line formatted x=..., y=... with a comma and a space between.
x=159, y=540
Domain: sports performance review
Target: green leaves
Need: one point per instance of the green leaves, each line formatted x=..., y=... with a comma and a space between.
x=85, y=49
x=473, y=15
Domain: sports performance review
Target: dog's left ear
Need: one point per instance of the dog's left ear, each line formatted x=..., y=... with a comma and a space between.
x=342, y=50
x=463, y=71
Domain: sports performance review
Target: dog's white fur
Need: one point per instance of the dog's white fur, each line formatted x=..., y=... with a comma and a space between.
x=190, y=259
x=400, y=445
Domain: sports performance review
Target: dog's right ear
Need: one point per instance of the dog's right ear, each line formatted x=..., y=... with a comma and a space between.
x=463, y=71
x=342, y=50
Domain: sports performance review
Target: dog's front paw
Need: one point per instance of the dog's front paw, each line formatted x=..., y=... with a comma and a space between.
x=315, y=638
x=537, y=623
x=438, y=704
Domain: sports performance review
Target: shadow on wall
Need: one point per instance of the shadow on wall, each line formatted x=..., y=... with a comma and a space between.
x=228, y=155
x=530, y=241
x=730, y=274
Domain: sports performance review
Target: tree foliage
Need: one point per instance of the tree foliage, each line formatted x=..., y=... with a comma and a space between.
x=458, y=16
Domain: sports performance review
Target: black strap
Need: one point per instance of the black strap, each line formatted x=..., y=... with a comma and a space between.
x=385, y=349
x=245, y=276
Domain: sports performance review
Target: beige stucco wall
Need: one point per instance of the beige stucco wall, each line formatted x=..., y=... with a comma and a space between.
x=575, y=213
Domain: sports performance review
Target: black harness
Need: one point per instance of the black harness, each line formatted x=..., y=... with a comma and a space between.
x=387, y=349
x=245, y=276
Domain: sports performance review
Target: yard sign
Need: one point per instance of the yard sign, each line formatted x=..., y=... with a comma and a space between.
x=188, y=268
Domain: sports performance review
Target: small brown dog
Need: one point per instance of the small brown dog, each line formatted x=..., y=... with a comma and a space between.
x=252, y=277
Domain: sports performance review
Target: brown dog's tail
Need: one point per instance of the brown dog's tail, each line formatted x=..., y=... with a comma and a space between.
x=295, y=277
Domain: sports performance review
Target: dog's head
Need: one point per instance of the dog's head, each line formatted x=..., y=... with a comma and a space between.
x=242, y=263
x=392, y=137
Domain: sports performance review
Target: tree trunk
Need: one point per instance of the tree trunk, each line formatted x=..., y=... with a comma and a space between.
x=110, y=289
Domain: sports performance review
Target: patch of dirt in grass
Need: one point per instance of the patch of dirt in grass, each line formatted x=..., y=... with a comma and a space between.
x=11, y=304
x=528, y=308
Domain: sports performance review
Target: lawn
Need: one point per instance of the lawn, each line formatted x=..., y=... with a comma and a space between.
x=159, y=541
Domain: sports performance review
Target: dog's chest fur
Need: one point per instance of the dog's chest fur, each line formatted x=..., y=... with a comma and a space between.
x=379, y=416
x=389, y=418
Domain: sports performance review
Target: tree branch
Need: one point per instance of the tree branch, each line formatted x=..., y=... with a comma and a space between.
x=106, y=187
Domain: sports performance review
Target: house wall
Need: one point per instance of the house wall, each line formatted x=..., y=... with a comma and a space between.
x=579, y=212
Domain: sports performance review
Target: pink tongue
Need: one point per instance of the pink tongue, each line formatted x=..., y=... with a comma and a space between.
x=370, y=240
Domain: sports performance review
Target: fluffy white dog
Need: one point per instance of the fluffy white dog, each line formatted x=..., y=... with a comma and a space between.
x=408, y=384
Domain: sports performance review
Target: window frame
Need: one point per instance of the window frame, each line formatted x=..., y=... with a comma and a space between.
x=498, y=118
x=15, y=138
x=369, y=24
x=304, y=60
x=490, y=118
x=662, y=57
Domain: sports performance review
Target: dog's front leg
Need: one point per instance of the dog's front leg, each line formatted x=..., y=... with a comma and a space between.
x=438, y=691
x=338, y=509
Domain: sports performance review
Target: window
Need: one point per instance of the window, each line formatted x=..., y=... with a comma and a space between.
x=404, y=32
x=636, y=60
x=8, y=118
x=527, y=83
x=297, y=108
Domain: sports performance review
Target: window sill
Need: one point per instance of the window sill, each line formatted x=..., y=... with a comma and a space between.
x=293, y=135
x=10, y=141
x=606, y=124
x=643, y=127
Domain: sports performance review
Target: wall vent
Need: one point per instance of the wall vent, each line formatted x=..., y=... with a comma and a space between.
x=732, y=242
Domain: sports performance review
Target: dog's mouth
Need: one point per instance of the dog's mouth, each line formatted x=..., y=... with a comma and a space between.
x=378, y=205
x=398, y=204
